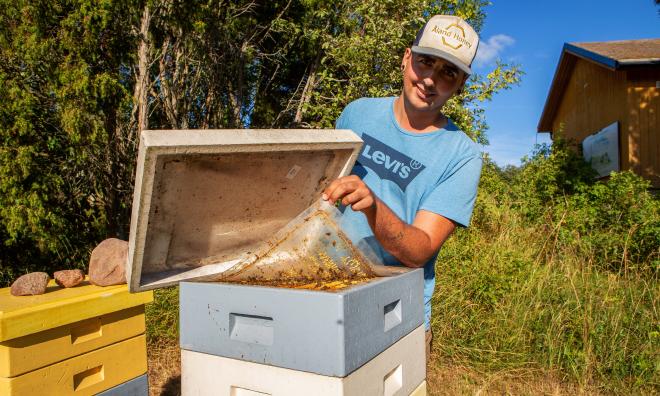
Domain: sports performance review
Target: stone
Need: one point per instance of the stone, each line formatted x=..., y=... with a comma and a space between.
x=107, y=265
x=69, y=278
x=30, y=284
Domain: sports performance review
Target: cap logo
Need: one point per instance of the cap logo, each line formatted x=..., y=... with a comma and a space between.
x=455, y=32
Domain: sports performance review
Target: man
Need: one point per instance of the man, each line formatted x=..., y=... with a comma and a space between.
x=417, y=175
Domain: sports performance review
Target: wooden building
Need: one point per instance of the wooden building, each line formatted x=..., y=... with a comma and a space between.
x=611, y=87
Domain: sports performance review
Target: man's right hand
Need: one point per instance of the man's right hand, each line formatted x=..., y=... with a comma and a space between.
x=351, y=190
x=412, y=244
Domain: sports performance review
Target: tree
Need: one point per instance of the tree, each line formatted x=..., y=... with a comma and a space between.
x=80, y=78
x=64, y=147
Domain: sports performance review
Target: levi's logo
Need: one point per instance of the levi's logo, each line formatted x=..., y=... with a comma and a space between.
x=388, y=163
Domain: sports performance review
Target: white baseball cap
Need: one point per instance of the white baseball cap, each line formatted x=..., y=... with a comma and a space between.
x=448, y=37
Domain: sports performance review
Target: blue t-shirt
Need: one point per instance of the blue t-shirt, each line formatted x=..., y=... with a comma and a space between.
x=436, y=171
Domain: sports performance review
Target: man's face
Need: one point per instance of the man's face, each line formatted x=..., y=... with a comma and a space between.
x=428, y=82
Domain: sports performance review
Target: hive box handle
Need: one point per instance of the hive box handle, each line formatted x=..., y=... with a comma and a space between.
x=88, y=378
x=392, y=314
x=393, y=381
x=252, y=329
x=236, y=391
x=86, y=330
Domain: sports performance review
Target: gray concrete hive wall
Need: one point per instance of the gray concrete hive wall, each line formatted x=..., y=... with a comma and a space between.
x=328, y=333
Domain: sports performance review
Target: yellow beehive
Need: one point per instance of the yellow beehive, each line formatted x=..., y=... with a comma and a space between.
x=80, y=340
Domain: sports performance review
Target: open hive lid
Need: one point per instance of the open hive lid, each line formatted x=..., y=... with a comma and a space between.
x=206, y=200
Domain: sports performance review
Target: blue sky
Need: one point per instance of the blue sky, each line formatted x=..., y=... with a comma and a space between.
x=532, y=34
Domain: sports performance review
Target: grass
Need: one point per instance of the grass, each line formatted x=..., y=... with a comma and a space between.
x=448, y=380
x=164, y=361
x=512, y=296
x=163, y=315
x=503, y=311
x=163, y=352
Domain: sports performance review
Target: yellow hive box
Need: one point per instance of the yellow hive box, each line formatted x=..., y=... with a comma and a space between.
x=86, y=374
x=64, y=326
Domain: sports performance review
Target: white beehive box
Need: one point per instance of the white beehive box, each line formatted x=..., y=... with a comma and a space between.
x=397, y=371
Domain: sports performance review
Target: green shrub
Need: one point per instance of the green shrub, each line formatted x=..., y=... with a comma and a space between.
x=549, y=175
x=616, y=222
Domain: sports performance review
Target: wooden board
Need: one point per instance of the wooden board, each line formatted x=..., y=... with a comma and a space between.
x=20, y=316
x=594, y=98
x=644, y=129
x=136, y=387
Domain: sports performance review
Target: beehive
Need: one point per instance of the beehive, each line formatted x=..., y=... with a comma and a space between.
x=220, y=205
x=75, y=341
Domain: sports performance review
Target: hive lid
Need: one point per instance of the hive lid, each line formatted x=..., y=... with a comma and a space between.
x=23, y=315
x=206, y=200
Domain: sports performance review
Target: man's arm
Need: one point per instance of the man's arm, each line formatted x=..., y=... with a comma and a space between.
x=412, y=244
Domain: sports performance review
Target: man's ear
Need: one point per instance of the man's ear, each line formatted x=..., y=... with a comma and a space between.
x=465, y=77
x=460, y=90
x=406, y=59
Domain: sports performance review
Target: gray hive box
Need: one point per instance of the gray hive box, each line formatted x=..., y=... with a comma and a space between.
x=206, y=201
x=328, y=333
x=138, y=386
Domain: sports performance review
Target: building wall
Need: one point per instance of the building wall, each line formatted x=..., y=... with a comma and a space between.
x=643, y=128
x=596, y=97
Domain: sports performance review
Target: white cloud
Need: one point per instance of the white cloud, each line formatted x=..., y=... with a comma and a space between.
x=491, y=49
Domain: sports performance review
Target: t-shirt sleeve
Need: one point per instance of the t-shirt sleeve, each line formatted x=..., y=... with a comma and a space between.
x=342, y=120
x=345, y=118
x=454, y=196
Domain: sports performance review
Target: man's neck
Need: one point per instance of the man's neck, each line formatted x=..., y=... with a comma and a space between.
x=417, y=121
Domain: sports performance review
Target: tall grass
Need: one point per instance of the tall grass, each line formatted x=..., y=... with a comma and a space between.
x=566, y=281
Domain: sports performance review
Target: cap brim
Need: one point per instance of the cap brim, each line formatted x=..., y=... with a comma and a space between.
x=444, y=55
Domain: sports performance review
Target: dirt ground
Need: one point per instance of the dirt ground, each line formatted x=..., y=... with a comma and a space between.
x=165, y=378
x=164, y=361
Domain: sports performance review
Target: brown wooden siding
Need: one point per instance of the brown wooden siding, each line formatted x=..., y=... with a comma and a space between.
x=643, y=129
x=596, y=97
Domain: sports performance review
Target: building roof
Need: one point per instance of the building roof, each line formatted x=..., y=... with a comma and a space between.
x=613, y=55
